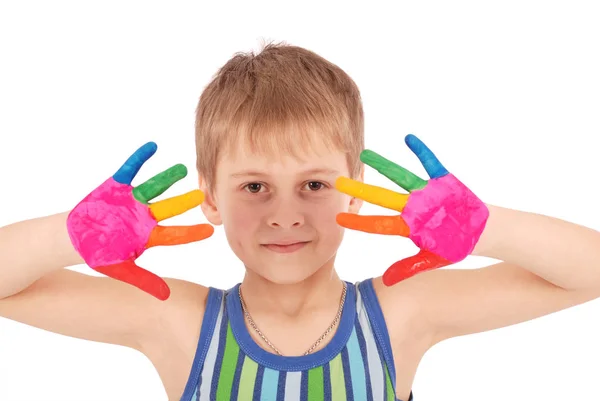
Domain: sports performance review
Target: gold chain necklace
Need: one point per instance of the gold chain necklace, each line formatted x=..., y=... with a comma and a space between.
x=316, y=344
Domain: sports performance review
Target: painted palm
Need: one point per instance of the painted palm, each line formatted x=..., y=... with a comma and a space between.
x=113, y=225
x=440, y=215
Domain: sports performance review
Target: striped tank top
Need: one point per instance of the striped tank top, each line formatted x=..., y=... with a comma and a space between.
x=356, y=364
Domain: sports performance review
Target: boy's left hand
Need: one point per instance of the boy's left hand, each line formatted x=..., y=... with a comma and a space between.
x=441, y=216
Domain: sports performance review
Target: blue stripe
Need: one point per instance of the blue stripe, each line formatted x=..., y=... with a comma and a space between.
x=269, y=385
x=384, y=369
x=378, y=325
x=304, y=386
x=385, y=389
x=286, y=363
x=219, y=360
x=213, y=305
x=236, y=377
x=281, y=386
x=347, y=374
x=327, y=382
x=357, y=368
x=258, y=383
x=363, y=350
x=195, y=396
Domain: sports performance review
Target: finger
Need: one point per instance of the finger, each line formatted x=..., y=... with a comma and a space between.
x=177, y=235
x=159, y=183
x=130, y=168
x=391, y=170
x=130, y=273
x=177, y=205
x=403, y=269
x=431, y=163
x=386, y=225
x=372, y=194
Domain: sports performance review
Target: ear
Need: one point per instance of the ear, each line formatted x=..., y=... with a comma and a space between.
x=209, y=206
x=355, y=203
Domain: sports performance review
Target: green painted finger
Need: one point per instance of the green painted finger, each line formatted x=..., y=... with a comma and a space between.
x=159, y=183
x=391, y=170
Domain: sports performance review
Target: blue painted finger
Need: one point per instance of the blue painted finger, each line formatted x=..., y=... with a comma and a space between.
x=130, y=168
x=432, y=165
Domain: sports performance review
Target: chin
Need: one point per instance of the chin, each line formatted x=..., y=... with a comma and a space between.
x=287, y=272
x=289, y=267
x=289, y=275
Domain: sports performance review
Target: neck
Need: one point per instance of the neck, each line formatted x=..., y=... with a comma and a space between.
x=292, y=300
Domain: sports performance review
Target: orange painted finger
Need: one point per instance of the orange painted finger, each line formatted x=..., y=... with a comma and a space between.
x=372, y=194
x=177, y=235
x=387, y=225
x=130, y=273
x=177, y=205
x=406, y=268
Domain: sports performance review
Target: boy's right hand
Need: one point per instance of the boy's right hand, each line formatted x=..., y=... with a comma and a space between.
x=113, y=225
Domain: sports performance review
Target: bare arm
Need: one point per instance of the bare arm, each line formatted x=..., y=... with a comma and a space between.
x=33, y=248
x=563, y=253
x=37, y=290
x=549, y=265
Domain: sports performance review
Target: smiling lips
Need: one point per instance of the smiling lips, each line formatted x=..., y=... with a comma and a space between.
x=286, y=246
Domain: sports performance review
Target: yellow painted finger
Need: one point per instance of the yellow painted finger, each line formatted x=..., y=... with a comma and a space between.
x=372, y=194
x=177, y=205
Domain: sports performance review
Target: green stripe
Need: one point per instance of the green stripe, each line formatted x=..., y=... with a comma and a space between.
x=247, y=380
x=338, y=385
x=316, y=387
x=230, y=357
x=388, y=383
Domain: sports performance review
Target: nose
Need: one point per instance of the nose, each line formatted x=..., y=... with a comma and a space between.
x=286, y=213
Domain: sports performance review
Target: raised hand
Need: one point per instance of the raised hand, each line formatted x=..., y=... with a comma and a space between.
x=113, y=225
x=441, y=216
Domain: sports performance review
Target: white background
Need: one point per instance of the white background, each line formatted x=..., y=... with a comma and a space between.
x=505, y=93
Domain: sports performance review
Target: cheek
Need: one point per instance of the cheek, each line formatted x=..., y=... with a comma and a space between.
x=241, y=217
x=323, y=217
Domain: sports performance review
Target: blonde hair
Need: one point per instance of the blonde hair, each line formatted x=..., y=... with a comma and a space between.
x=276, y=101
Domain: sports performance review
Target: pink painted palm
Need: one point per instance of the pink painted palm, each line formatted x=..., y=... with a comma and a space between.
x=113, y=225
x=443, y=217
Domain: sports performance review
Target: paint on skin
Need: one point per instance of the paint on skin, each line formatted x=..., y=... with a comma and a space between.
x=109, y=225
x=441, y=216
x=115, y=224
x=445, y=218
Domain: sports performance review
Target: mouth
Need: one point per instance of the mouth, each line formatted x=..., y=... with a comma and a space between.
x=287, y=247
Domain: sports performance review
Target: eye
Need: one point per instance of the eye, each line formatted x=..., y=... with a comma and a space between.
x=315, y=185
x=253, y=187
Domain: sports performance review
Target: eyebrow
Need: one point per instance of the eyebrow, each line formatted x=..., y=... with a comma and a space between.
x=256, y=173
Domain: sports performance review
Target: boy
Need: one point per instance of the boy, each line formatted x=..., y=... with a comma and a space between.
x=274, y=134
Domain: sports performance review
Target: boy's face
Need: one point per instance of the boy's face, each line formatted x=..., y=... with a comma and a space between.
x=279, y=213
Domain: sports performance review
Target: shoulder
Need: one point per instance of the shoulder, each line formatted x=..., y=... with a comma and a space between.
x=397, y=312
x=172, y=340
x=402, y=309
x=179, y=318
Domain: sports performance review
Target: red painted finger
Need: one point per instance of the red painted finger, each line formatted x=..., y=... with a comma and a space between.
x=406, y=268
x=176, y=235
x=387, y=225
x=130, y=273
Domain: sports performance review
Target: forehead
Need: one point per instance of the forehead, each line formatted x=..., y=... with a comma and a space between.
x=306, y=156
